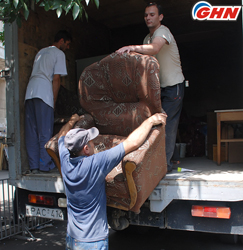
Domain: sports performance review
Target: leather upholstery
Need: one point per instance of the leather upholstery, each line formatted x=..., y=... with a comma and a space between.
x=119, y=93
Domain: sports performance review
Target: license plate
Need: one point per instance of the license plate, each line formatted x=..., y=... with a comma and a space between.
x=43, y=212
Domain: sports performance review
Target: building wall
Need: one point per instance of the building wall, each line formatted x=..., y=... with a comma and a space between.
x=2, y=95
x=2, y=88
x=1, y=44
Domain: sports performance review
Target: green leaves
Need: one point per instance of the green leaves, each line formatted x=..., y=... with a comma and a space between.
x=15, y=3
x=11, y=10
x=59, y=12
x=26, y=11
x=97, y=3
x=76, y=10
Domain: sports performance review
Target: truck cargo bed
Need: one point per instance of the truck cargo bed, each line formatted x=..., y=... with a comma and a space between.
x=207, y=182
x=202, y=167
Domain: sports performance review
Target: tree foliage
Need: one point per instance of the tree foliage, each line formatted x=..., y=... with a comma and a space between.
x=11, y=10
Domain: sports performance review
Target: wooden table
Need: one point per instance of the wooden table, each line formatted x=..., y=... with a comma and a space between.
x=232, y=116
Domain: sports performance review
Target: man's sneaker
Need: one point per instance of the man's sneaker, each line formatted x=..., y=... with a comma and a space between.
x=169, y=169
x=35, y=171
x=54, y=170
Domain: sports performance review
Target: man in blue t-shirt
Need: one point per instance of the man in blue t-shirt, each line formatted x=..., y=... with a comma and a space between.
x=84, y=179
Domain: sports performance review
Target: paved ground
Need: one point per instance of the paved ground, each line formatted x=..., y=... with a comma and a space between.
x=53, y=238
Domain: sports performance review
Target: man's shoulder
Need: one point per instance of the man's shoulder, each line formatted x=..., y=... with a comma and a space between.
x=107, y=153
x=164, y=32
x=45, y=49
x=52, y=49
x=56, y=50
x=112, y=153
x=163, y=28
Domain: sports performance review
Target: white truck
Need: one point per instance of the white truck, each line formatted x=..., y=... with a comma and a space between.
x=209, y=198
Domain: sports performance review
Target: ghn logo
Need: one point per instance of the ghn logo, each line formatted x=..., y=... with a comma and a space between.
x=204, y=11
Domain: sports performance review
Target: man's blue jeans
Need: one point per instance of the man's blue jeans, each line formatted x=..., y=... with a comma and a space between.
x=39, y=120
x=171, y=98
x=73, y=244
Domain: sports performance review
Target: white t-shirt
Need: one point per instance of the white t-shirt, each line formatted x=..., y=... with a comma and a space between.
x=48, y=62
x=168, y=58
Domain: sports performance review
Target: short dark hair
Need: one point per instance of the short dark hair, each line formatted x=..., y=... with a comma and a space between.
x=155, y=4
x=63, y=34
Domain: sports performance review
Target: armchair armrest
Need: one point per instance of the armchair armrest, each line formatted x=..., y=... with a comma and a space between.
x=51, y=146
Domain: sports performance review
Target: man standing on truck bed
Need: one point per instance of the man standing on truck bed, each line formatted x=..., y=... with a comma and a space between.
x=84, y=175
x=161, y=43
x=40, y=99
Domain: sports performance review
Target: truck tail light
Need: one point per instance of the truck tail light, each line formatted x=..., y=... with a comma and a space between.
x=41, y=199
x=211, y=212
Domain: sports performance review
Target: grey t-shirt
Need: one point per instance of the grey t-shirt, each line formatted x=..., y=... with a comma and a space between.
x=168, y=58
x=48, y=62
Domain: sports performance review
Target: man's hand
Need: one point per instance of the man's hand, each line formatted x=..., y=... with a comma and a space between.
x=69, y=125
x=126, y=49
x=146, y=49
x=158, y=119
x=74, y=118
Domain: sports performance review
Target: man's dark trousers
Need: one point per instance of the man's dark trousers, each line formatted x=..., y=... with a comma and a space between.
x=171, y=98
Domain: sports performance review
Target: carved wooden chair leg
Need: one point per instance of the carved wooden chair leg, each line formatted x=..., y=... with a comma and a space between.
x=129, y=168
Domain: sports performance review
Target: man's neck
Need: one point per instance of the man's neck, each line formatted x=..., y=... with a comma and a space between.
x=56, y=45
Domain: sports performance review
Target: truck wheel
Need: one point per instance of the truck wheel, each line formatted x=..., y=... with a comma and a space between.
x=229, y=238
x=117, y=219
x=119, y=224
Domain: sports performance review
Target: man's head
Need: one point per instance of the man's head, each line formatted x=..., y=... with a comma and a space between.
x=79, y=141
x=156, y=5
x=153, y=15
x=62, y=40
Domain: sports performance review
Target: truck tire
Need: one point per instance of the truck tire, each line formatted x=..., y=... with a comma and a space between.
x=117, y=219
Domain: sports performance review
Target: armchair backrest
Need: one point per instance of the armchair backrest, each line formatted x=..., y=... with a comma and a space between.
x=120, y=92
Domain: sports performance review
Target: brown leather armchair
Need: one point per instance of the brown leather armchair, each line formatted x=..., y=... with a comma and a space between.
x=119, y=93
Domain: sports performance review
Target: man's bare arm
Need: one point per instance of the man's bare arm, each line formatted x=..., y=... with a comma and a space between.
x=69, y=125
x=56, y=83
x=146, y=49
x=138, y=136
